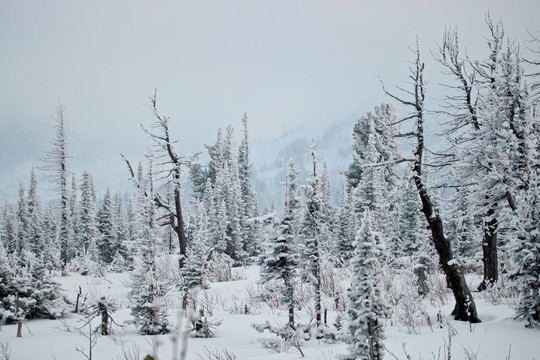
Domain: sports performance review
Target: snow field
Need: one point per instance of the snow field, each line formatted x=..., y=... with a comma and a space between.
x=496, y=337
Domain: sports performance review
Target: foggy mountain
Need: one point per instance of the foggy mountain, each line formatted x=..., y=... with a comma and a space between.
x=334, y=147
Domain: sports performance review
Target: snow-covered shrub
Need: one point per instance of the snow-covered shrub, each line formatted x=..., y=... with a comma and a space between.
x=303, y=294
x=286, y=336
x=220, y=269
x=207, y=301
x=202, y=326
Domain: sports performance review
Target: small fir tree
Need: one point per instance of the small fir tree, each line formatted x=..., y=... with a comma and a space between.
x=366, y=308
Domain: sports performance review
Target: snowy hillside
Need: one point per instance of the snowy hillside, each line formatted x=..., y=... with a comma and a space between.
x=334, y=147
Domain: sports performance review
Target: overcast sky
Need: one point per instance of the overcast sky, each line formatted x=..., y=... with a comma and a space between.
x=284, y=62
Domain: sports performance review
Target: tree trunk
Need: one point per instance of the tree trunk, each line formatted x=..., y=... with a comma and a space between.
x=104, y=319
x=465, y=308
x=489, y=252
x=19, y=327
x=179, y=228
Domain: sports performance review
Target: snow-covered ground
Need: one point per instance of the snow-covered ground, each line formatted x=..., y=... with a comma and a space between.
x=497, y=337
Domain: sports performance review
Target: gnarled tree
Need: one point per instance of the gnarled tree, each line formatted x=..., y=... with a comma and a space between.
x=465, y=308
x=169, y=171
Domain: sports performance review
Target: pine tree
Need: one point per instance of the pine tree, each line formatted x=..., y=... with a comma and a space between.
x=281, y=259
x=194, y=272
x=22, y=222
x=88, y=231
x=105, y=224
x=249, y=196
x=6, y=283
x=10, y=235
x=346, y=223
x=528, y=255
x=313, y=218
x=74, y=217
x=34, y=230
x=120, y=234
x=147, y=307
x=372, y=180
x=413, y=236
x=366, y=308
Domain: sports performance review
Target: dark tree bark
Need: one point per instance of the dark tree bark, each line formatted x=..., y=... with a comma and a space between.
x=465, y=308
x=172, y=173
x=489, y=252
x=104, y=318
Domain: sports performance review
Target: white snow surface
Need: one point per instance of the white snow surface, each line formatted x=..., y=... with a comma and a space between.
x=47, y=339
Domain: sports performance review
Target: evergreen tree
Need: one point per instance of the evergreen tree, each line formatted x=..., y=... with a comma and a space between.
x=346, y=223
x=366, y=308
x=107, y=244
x=22, y=222
x=74, y=217
x=120, y=233
x=249, y=196
x=10, y=230
x=528, y=255
x=281, y=258
x=6, y=283
x=194, y=272
x=88, y=231
x=147, y=307
x=34, y=230
x=313, y=218
x=413, y=236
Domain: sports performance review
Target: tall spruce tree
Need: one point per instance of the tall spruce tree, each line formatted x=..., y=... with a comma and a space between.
x=312, y=229
x=528, y=255
x=34, y=230
x=107, y=244
x=281, y=259
x=88, y=231
x=366, y=308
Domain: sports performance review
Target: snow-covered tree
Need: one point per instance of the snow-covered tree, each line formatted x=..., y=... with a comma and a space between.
x=488, y=113
x=107, y=243
x=311, y=230
x=412, y=233
x=346, y=222
x=528, y=255
x=10, y=229
x=147, y=305
x=34, y=230
x=281, y=259
x=372, y=180
x=366, y=309
x=88, y=231
x=250, y=207
x=56, y=163
x=195, y=270
x=22, y=221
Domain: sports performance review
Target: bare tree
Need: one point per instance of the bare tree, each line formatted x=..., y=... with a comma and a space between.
x=465, y=308
x=56, y=163
x=170, y=171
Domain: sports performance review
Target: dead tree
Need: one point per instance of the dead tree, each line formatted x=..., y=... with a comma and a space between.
x=170, y=171
x=56, y=164
x=465, y=308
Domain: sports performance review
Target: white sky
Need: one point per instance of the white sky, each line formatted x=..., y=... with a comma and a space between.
x=285, y=63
